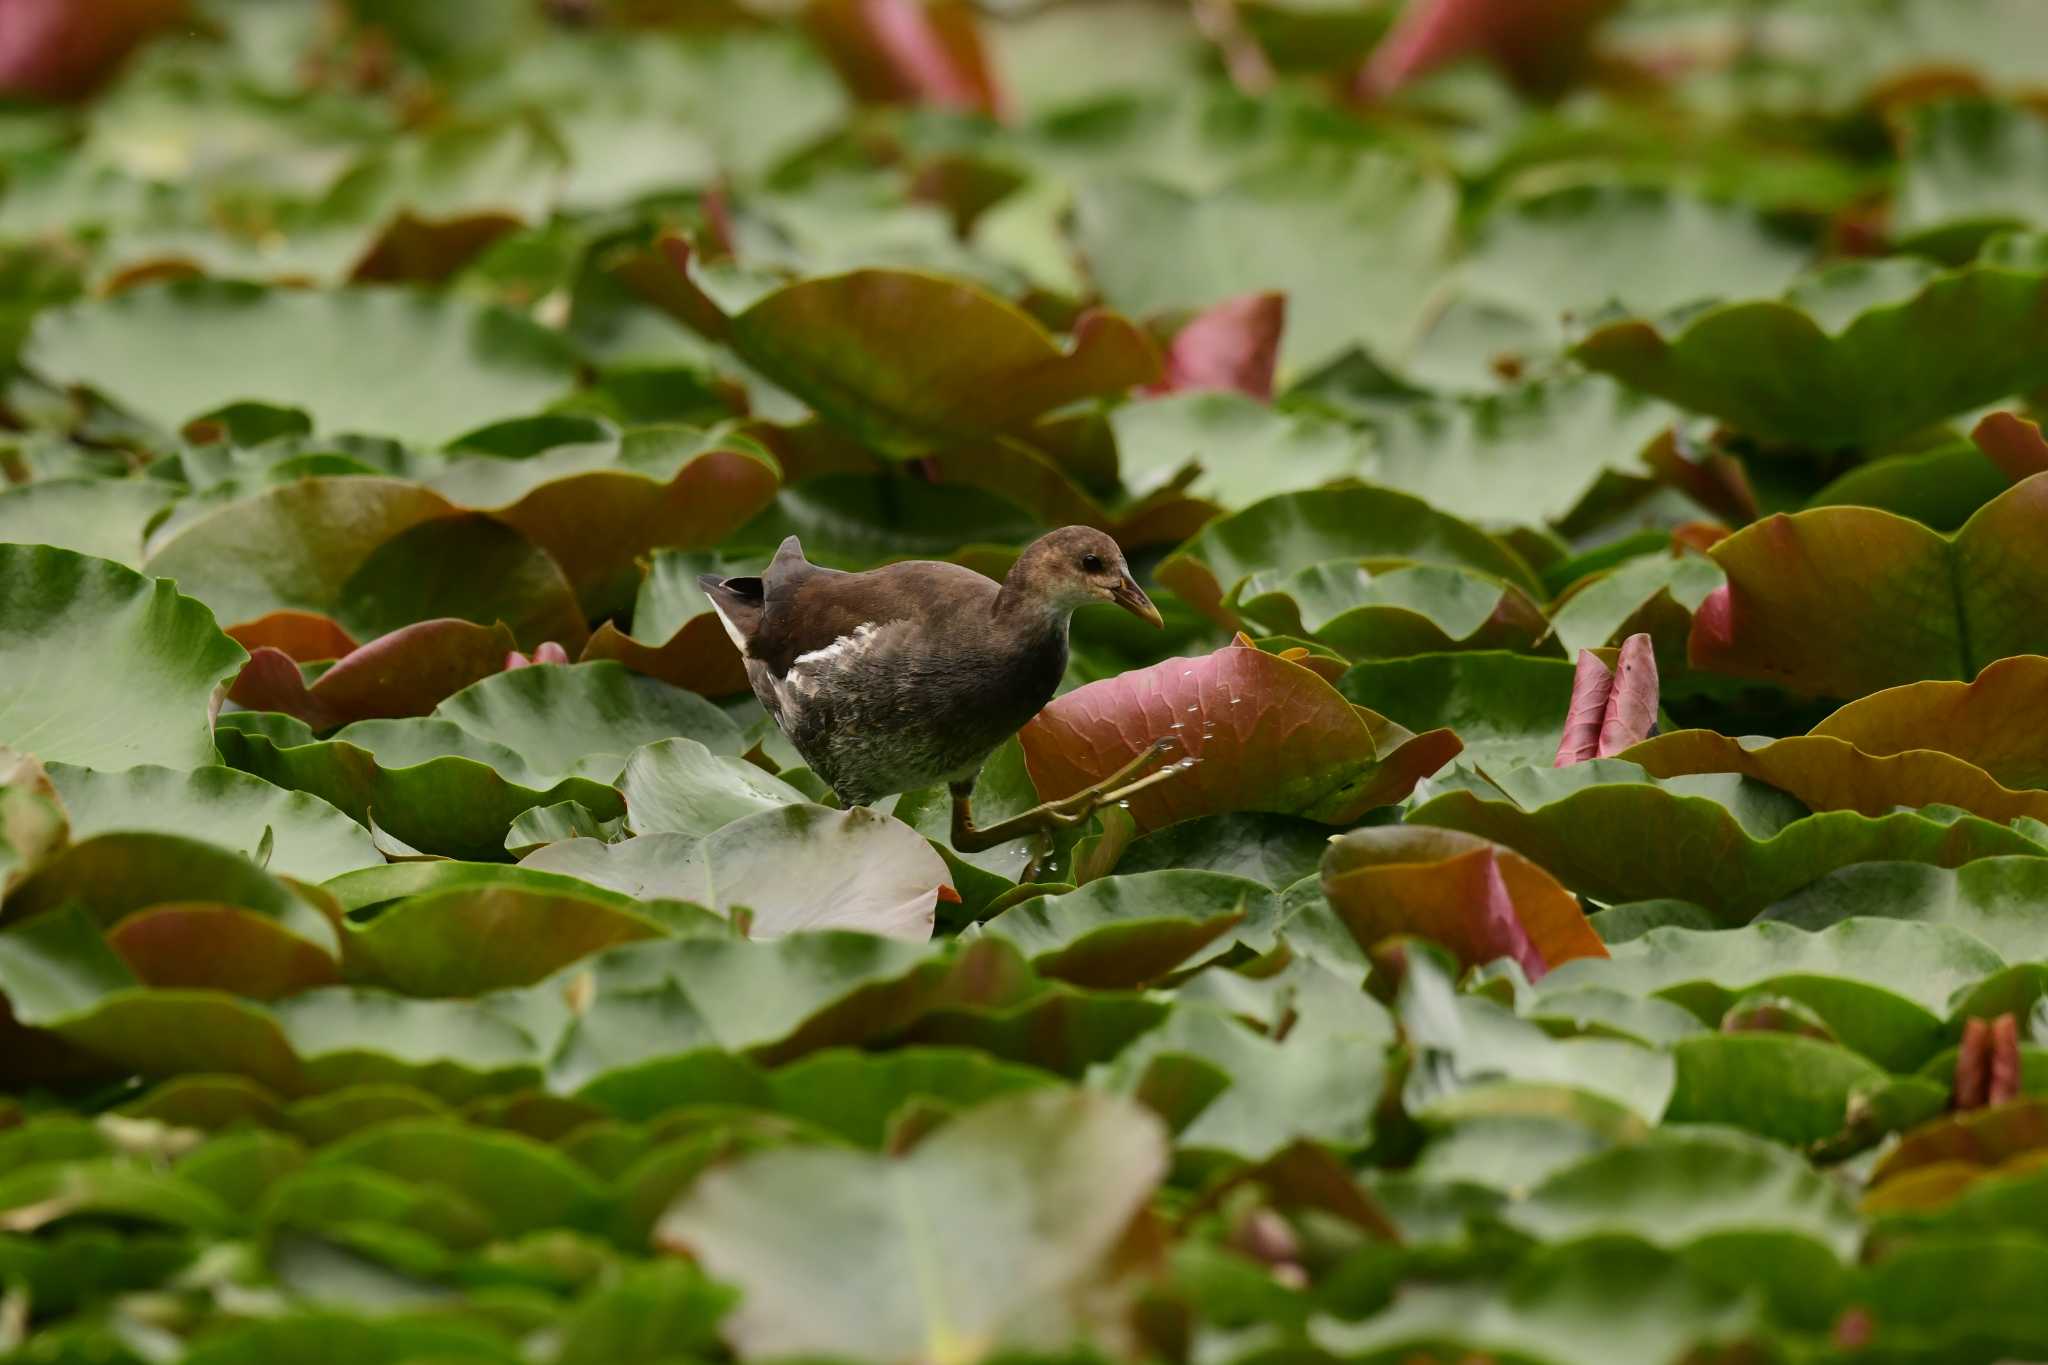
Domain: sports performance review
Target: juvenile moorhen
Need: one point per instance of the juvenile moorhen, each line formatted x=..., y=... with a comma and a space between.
x=912, y=674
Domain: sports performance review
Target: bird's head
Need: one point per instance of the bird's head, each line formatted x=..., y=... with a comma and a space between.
x=1072, y=567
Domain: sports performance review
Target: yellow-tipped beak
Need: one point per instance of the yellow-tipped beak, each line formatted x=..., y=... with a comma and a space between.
x=1132, y=599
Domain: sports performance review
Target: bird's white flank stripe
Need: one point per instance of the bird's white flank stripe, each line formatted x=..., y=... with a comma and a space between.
x=808, y=670
x=732, y=631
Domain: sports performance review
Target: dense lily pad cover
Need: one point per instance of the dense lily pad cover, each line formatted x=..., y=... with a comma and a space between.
x=1591, y=902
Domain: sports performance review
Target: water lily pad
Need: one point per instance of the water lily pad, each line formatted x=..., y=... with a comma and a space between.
x=678, y=786
x=596, y=507
x=582, y=719
x=1505, y=708
x=1119, y=932
x=104, y=518
x=1355, y=248
x=1248, y=731
x=1538, y=267
x=74, y=632
x=1843, y=601
x=1969, y=168
x=1395, y=613
x=1076, y=1167
x=419, y=367
x=963, y=364
x=796, y=867
x=466, y=940
x=307, y=838
x=677, y=637
x=430, y=782
x=1609, y=831
x=374, y=554
x=1495, y=459
x=1832, y=774
x=1971, y=720
x=1858, y=354
x=1295, y=531
x=1778, y=1085
x=1549, y=1310
x=1477, y=899
x=1881, y=986
x=1992, y=899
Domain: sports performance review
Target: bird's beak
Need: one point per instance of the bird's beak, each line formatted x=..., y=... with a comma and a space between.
x=1128, y=595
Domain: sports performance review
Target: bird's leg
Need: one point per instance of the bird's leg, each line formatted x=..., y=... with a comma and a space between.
x=1052, y=816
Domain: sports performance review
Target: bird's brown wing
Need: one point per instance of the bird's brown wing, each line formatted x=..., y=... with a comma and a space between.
x=809, y=608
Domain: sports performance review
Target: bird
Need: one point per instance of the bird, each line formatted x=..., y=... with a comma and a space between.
x=912, y=674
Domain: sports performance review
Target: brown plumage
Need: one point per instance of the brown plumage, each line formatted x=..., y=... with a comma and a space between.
x=912, y=674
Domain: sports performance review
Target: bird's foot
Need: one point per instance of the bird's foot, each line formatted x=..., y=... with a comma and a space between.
x=1052, y=816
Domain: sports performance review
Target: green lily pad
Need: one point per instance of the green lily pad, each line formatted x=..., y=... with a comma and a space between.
x=1395, y=613
x=1076, y=1167
x=1357, y=247
x=1860, y=353
x=1129, y=931
x=1227, y=1090
x=1238, y=449
x=679, y=786
x=583, y=719
x=792, y=868
x=309, y=839
x=1777, y=1085
x=1473, y=1055
x=1683, y=1189
x=1506, y=708
x=466, y=940
x=1539, y=266
x=1295, y=531
x=1609, y=831
x=74, y=631
x=104, y=518
x=1970, y=168
x=1992, y=900
x=1881, y=986
x=420, y=367
x=430, y=782
x=1495, y=459
x=374, y=554
x=1657, y=594
x=655, y=1011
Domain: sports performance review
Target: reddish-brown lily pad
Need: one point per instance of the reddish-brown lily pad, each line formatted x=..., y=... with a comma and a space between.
x=2013, y=443
x=203, y=946
x=908, y=52
x=596, y=509
x=1831, y=774
x=1844, y=601
x=371, y=554
x=406, y=673
x=304, y=636
x=699, y=656
x=1234, y=345
x=955, y=363
x=1827, y=773
x=1476, y=898
x=1972, y=720
x=1251, y=731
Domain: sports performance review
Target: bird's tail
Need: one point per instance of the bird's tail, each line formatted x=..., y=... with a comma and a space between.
x=738, y=602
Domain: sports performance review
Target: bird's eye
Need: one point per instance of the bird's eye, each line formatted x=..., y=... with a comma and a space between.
x=1092, y=563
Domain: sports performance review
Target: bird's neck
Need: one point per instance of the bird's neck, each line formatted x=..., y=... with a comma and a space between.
x=1030, y=616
